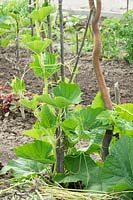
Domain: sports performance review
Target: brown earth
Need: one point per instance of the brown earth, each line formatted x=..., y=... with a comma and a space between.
x=11, y=126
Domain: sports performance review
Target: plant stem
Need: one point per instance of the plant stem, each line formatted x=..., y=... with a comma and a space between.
x=46, y=86
x=81, y=47
x=98, y=71
x=61, y=40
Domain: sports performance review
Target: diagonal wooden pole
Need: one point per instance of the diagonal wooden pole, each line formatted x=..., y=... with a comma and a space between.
x=98, y=71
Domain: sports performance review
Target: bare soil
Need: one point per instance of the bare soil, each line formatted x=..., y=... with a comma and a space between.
x=12, y=125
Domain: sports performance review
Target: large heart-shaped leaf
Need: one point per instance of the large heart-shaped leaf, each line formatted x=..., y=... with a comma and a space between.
x=69, y=91
x=117, y=173
x=41, y=13
x=38, y=150
x=23, y=167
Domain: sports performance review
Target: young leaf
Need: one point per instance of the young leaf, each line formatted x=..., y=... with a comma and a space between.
x=38, y=150
x=23, y=167
x=31, y=104
x=18, y=86
x=41, y=13
x=47, y=68
x=15, y=16
x=117, y=173
x=50, y=64
x=37, y=46
x=34, y=133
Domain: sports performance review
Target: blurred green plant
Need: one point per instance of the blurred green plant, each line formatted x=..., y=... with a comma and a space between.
x=13, y=15
x=117, y=37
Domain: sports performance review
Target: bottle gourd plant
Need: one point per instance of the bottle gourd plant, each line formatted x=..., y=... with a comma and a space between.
x=62, y=123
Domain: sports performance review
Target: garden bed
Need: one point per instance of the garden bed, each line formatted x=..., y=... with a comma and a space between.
x=12, y=125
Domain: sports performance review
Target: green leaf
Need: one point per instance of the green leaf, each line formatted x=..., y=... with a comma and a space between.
x=117, y=173
x=70, y=91
x=39, y=133
x=15, y=16
x=41, y=13
x=3, y=31
x=31, y=104
x=37, y=46
x=6, y=21
x=123, y=126
x=69, y=124
x=38, y=150
x=35, y=133
x=18, y=86
x=98, y=101
x=23, y=167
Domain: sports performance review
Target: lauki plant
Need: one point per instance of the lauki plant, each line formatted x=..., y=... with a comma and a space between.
x=62, y=120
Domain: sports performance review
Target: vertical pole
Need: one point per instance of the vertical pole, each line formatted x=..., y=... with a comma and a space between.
x=61, y=40
x=127, y=5
x=31, y=22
